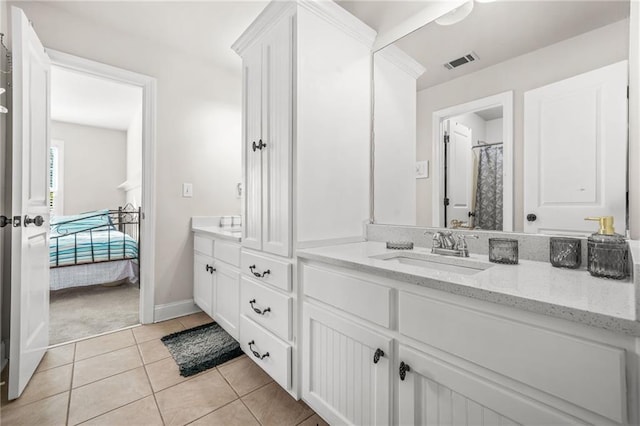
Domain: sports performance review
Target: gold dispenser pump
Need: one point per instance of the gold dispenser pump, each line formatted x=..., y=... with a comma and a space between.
x=607, y=252
x=606, y=224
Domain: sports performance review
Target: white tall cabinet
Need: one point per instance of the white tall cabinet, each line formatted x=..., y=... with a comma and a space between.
x=306, y=104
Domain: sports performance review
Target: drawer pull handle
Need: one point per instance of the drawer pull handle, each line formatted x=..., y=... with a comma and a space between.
x=210, y=268
x=256, y=353
x=256, y=310
x=258, y=274
x=404, y=368
x=376, y=356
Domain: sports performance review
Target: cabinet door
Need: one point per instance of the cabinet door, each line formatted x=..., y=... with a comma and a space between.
x=277, y=130
x=342, y=379
x=203, y=282
x=436, y=392
x=226, y=300
x=252, y=158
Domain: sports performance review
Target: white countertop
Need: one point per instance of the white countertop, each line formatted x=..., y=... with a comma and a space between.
x=533, y=286
x=231, y=234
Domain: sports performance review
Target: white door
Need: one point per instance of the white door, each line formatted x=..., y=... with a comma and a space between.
x=459, y=171
x=346, y=369
x=29, y=335
x=575, y=152
x=432, y=391
x=277, y=97
x=252, y=155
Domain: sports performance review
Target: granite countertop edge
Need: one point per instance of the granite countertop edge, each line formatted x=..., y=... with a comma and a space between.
x=593, y=319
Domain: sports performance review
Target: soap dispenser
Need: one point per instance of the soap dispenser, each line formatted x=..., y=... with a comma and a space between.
x=607, y=252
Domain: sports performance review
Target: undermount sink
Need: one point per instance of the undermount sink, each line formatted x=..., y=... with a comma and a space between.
x=440, y=263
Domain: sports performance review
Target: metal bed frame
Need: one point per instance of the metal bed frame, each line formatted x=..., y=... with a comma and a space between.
x=125, y=219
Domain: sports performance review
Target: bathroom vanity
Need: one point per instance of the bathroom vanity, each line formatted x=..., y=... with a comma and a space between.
x=410, y=337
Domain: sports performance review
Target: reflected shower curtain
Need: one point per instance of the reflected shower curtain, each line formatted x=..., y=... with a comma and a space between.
x=488, y=206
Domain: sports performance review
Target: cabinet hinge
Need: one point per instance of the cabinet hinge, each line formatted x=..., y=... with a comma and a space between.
x=446, y=138
x=446, y=201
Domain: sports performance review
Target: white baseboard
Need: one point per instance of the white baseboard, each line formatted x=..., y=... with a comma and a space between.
x=175, y=309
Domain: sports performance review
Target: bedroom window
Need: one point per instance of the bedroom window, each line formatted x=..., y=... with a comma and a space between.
x=56, y=177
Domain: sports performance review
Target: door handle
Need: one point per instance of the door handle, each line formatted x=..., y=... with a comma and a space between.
x=4, y=221
x=531, y=217
x=38, y=220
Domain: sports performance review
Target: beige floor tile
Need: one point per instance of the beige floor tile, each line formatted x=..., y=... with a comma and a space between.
x=56, y=357
x=105, y=365
x=231, y=361
x=164, y=373
x=194, y=398
x=314, y=420
x=272, y=405
x=234, y=414
x=107, y=394
x=103, y=344
x=244, y=376
x=153, y=350
x=44, y=384
x=156, y=331
x=48, y=411
x=194, y=320
x=143, y=412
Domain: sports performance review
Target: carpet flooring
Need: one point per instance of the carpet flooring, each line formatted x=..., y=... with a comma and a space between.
x=200, y=348
x=80, y=312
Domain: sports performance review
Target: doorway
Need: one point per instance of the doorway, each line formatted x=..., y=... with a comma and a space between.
x=473, y=148
x=95, y=169
x=137, y=209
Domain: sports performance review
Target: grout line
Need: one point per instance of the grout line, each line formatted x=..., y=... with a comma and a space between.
x=73, y=366
x=211, y=412
x=313, y=413
x=249, y=410
x=112, y=410
x=153, y=392
x=94, y=336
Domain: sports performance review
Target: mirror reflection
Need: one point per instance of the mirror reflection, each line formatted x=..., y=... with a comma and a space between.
x=513, y=118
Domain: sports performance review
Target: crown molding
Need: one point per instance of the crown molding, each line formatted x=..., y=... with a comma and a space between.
x=402, y=60
x=339, y=17
x=326, y=9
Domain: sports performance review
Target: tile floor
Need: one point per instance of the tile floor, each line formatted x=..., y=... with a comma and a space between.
x=129, y=378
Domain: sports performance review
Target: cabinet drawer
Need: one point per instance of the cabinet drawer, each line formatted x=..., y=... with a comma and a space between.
x=203, y=245
x=351, y=294
x=271, y=353
x=277, y=318
x=588, y=374
x=228, y=252
x=270, y=271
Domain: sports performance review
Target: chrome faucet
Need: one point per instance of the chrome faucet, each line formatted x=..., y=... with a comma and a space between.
x=449, y=244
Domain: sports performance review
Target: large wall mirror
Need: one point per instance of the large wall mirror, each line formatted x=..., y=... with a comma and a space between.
x=513, y=118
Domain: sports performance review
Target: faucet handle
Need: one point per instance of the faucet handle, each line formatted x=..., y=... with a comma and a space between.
x=462, y=242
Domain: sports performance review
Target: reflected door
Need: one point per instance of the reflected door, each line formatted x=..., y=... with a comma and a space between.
x=575, y=152
x=458, y=184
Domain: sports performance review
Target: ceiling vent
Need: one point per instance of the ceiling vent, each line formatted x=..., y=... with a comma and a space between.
x=469, y=57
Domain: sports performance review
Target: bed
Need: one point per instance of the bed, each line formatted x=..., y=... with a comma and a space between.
x=98, y=247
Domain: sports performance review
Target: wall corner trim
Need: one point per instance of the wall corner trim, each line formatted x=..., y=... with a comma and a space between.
x=172, y=310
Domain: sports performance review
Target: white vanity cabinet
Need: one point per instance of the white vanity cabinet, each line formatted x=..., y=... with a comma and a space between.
x=450, y=359
x=203, y=273
x=306, y=136
x=216, y=280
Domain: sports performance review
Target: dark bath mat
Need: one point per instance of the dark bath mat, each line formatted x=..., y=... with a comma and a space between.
x=200, y=348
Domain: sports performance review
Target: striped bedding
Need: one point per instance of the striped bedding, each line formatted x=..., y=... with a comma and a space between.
x=91, y=247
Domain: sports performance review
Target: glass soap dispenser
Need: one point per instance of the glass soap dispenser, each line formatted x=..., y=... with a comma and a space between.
x=607, y=253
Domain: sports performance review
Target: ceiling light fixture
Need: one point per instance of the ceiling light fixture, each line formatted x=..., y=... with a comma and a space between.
x=456, y=15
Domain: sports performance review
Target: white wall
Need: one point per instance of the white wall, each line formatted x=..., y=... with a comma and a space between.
x=553, y=63
x=132, y=186
x=494, y=131
x=198, y=132
x=94, y=166
x=395, y=141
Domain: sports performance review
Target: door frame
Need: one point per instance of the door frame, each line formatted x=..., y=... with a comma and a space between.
x=148, y=222
x=505, y=100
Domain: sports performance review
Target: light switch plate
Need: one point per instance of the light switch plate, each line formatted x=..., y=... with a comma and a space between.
x=187, y=190
x=422, y=169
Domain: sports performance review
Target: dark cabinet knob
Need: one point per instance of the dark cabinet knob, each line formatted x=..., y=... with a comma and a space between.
x=404, y=369
x=376, y=356
x=531, y=217
x=210, y=269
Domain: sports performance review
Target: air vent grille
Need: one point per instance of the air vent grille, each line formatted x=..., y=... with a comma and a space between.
x=469, y=57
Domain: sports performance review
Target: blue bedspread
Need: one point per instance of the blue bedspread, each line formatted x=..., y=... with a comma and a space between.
x=90, y=247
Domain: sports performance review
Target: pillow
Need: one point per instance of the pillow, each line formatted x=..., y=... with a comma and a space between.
x=98, y=220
